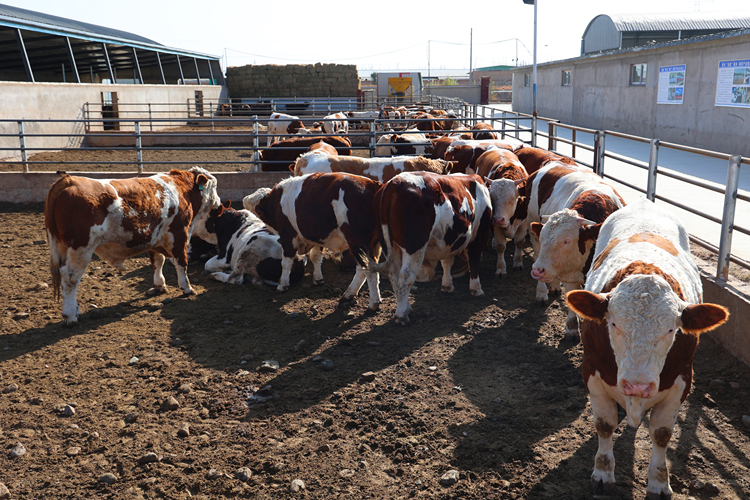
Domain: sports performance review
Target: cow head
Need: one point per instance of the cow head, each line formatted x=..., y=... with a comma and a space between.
x=565, y=241
x=504, y=194
x=205, y=184
x=642, y=314
x=256, y=202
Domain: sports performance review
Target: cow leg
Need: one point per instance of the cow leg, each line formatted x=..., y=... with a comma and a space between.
x=70, y=277
x=541, y=287
x=571, y=323
x=286, y=271
x=409, y=267
x=519, y=240
x=214, y=265
x=235, y=278
x=662, y=420
x=182, y=278
x=373, y=284
x=555, y=287
x=604, y=411
x=474, y=251
x=157, y=263
x=356, y=284
x=500, y=247
x=447, y=285
x=316, y=257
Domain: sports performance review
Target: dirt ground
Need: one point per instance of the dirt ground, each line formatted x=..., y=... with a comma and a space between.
x=164, y=396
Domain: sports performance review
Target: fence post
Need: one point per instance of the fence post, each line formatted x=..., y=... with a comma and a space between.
x=727, y=219
x=138, y=150
x=373, y=128
x=551, y=143
x=518, y=129
x=533, y=131
x=22, y=139
x=211, y=109
x=256, y=166
x=653, y=162
x=502, y=127
x=150, y=119
x=599, y=152
x=573, y=146
x=329, y=105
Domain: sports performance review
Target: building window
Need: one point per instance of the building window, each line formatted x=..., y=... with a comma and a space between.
x=526, y=80
x=566, y=78
x=638, y=74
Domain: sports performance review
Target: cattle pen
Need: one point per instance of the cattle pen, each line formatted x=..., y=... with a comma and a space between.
x=240, y=392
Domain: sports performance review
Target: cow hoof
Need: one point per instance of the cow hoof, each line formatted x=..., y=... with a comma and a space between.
x=658, y=495
x=189, y=291
x=477, y=293
x=572, y=335
x=403, y=321
x=156, y=291
x=500, y=273
x=446, y=289
x=282, y=288
x=318, y=282
x=600, y=489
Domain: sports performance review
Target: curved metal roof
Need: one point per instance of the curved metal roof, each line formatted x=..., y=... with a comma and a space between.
x=30, y=16
x=677, y=21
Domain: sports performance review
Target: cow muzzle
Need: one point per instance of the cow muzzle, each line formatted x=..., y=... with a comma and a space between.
x=500, y=221
x=638, y=390
x=541, y=274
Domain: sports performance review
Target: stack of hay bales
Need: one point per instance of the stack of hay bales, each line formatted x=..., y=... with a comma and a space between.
x=293, y=80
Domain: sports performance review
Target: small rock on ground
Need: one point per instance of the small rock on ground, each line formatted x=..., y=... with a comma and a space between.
x=297, y=485
x=108, y=478
x=243, y=474
x=184, y=430
x=18, y=450
x=449, y=478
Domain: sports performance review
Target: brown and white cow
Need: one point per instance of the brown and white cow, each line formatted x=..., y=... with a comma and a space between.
x=506, y=177
x=120, y=218
x=282, y=124
x=246, y=246
x=409, y=142
x=336, y=123
x=642, y=318
x=334, y=211
x=379, y=169
x=466, y=152
x=425, y=218
x=576, y=201
x=322, y=148
x=535, y=158
x=281, y=155
x=483, y=131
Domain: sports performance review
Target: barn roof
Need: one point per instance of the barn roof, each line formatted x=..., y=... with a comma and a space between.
x=16, y=17
x=681, y=21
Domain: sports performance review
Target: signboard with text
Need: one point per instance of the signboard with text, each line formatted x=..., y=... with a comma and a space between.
x=733, y=84
x=671, y=84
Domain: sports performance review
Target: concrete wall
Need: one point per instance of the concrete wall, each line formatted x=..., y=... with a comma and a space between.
x=600, y=96
x=66, y=101
x=469, y=93
x=293, y=80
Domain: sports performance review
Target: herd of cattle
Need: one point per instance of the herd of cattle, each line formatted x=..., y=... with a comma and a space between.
x=627, y=269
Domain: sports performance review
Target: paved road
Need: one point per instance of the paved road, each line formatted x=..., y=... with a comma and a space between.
x=698, y=166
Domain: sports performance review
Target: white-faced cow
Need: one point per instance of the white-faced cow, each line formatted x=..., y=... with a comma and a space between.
x=282, y=124
x=535, y=158
x=246, y=246
x=425, y=218
x=334, y=211
x=506, y=177
x=379, y=169
x=576, y=202
x=120, y=218
x=408, y=142
x=642, y=317
x=483, y=131
x=336, y=123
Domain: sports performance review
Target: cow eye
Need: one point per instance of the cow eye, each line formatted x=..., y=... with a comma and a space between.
x=566, y=242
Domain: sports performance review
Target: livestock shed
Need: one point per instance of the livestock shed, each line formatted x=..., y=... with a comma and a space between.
x=693, y=91
x=61, y=69
x=622, y=31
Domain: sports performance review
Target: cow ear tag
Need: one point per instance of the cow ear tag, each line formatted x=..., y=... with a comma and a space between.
x=200, y=187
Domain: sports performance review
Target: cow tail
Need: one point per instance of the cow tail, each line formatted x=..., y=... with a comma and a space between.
x=57, y=250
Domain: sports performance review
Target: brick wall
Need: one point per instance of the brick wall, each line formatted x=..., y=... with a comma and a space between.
x=309, y=80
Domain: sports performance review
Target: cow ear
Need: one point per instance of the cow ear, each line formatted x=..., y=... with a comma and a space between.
x=589, y=232
x=219, y=210
x=200, y=181
x=700, y=318
x=587, y=304
x=536, y=228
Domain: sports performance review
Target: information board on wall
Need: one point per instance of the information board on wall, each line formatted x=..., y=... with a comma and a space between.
x=671, y=84
x=733, y=84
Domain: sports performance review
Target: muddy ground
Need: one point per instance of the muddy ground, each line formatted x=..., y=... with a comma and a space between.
x=484, y=386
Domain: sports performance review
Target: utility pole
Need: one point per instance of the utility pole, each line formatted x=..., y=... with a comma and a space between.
x=471, y=50
x=428, y=58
